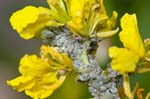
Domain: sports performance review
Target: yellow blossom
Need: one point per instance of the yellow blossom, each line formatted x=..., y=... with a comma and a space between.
x=55, y=59
x=125, y=59
x=29, y=21
x=89, y=16
x=40, y=76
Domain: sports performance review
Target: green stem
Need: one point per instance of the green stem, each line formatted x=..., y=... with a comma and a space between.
x=84, y=56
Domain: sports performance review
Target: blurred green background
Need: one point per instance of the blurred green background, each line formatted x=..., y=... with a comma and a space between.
x=12, y=47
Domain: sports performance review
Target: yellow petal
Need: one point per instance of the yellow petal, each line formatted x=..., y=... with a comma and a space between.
x=76, y=13
x=44, y=86
x=21, y=83
x=130, y=36
x=31, y=65
x=38, y=87
x=19, y=19
x=29, y=21
x=77, y=8
x=123, y=60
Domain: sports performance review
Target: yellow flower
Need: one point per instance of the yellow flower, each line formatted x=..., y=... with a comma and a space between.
x=89, y=16
x=57, y=60
x=41, y=76
x=29, y=21
x=125, y=59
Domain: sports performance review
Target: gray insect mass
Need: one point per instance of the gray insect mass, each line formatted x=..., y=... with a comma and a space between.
x=102, y=83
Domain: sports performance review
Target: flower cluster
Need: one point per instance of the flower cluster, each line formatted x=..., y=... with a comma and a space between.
x=82, y=17
x=127, y=60
x=40, y=76
x=75, y=27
